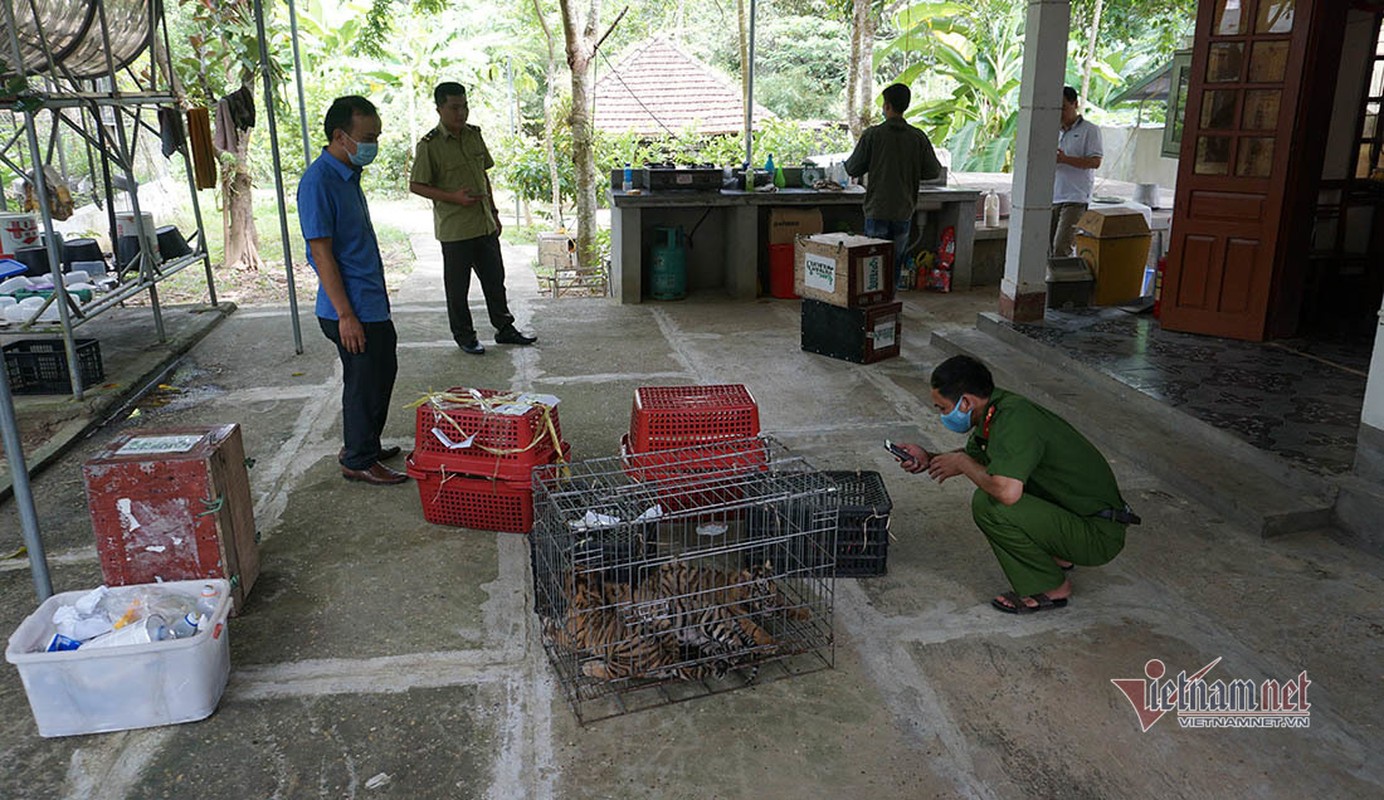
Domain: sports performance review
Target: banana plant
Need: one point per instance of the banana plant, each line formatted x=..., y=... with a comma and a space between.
x=978, y=47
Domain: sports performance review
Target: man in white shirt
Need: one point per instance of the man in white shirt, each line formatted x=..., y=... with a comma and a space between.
x=1078, y=158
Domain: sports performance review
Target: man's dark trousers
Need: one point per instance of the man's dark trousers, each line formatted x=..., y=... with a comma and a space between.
x=368, y=384
x=458, y=259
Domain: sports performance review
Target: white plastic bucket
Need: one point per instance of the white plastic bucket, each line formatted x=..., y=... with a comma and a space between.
x=125, y=226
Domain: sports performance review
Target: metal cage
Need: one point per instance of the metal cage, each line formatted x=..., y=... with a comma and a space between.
x=667, y=576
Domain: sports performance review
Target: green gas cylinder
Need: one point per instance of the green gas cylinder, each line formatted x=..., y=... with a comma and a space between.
x=668, y=273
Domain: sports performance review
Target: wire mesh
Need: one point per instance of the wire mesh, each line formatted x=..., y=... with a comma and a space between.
x=659, y=585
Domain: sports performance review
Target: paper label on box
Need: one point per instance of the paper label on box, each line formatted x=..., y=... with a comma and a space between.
x=141, y=445
x=884, y=333
x=819, y=272
x=872, y=274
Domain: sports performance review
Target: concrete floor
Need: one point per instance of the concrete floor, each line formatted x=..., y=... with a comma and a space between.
x=377, y=644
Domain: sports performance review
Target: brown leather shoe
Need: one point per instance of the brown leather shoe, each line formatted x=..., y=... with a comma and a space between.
x=378, y=474
x=385, y=454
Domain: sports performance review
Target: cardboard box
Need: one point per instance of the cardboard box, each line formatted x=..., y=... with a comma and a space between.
x=787, y=224
x=118, y=688
x=862, y=335
x=844, y=270
x=1115, y=243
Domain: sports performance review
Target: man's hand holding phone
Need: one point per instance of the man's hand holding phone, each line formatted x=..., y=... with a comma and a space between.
x=911, y=457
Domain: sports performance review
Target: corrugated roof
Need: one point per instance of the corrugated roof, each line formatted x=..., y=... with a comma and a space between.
x=658, y=88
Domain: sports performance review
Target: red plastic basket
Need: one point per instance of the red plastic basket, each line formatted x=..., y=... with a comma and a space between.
x=669, y=417
x=693, y=477
x=477, y=503
x=506, y=446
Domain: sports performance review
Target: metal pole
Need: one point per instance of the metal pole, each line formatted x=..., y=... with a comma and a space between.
x=298, y=78
x=513, y=127
x=23, y=495
x=50, y=235
x=278, y=177
x=749, y=101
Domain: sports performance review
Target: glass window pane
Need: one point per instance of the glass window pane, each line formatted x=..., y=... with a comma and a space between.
x=1213, y=155
x=1268, y=62
x=1255, y=158
x=1362, y=161
x=1275, y=16
x=1377, y=80
x=1224, y=62
x=1261, y=110
x=1228, y=18
x=1218, y=109
x=1371, y=126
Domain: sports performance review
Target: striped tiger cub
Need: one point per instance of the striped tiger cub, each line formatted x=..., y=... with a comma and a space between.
x=592, y=628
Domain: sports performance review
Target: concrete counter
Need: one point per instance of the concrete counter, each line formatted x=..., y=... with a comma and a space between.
x=727, y=232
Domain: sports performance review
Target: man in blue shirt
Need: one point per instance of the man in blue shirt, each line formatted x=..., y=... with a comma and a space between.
x=352, y=302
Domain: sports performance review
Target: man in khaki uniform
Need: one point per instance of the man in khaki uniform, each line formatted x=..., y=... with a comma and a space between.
x=449, y=168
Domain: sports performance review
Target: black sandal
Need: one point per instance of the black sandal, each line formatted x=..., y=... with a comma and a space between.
x=1018, y=606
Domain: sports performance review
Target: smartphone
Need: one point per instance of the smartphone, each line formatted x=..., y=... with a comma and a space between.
x=897, y=451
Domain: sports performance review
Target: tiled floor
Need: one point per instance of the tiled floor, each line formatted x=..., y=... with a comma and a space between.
x=1299, y=399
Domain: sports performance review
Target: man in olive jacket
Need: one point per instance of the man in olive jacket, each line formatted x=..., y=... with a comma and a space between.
x=897, y=157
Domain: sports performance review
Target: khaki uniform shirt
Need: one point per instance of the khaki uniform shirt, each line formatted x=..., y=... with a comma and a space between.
x=449, y=162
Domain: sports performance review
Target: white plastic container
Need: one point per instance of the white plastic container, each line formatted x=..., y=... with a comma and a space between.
x=118, y=688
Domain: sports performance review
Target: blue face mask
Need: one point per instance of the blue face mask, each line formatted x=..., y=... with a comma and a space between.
x=956, y=420
x=365, y=152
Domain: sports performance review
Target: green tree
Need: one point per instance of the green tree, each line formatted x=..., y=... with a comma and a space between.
x=222, y=56
x=979, y=47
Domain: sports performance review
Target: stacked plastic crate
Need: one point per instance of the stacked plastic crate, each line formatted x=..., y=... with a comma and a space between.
x=474, y=451
x=719, y=421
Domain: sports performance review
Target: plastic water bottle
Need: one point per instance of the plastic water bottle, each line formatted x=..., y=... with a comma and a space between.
x=629, y=178
x=209, y=600
x=184, y=626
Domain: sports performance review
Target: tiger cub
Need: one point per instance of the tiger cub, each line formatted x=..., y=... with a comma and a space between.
x=699, y=608
x=613, y=651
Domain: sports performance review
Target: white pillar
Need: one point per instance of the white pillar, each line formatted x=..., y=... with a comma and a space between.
x=1023, y=292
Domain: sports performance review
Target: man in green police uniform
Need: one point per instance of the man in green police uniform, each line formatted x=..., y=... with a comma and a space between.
x=449, y=168
x=1045, y=499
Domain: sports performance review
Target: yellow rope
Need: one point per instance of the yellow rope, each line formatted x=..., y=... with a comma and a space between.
x=474, y=399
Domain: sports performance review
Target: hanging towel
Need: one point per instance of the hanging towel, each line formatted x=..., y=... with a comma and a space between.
x=203, y=154
x=171, y=130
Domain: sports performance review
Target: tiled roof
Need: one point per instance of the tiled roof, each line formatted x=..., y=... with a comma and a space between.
x=657, y=88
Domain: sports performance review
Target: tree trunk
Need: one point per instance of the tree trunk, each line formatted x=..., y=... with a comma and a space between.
x=549, y=101
x=1090, y=52
x=580, y=35
x=238, y=209
x=860, y=74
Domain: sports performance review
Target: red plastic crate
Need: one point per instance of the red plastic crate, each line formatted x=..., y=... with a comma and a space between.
x=669, y=417
x=479, y=503
x=506, y=446
x=692, y=477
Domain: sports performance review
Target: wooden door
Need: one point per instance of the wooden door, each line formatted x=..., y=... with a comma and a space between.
x=1243, y=132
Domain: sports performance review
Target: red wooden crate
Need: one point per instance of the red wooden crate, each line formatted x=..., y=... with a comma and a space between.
x=506, y=446
x=479, y=503
x=669, y=417
x=174, y=504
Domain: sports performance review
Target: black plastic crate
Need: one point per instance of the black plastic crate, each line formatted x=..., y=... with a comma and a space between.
x=862, y=531
x=862, y=528
x=39, y=366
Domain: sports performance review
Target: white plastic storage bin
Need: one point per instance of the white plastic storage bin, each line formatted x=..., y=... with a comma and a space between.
x=118, y=688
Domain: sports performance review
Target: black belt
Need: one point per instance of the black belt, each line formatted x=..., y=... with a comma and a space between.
x=1124, y=516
